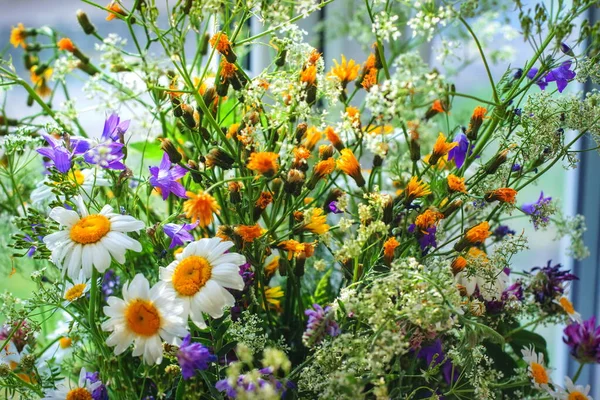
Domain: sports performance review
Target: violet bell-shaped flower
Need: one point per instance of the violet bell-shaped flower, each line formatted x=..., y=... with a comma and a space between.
x=165, y=177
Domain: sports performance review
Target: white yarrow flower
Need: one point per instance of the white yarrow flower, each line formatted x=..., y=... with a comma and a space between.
x=90, y=240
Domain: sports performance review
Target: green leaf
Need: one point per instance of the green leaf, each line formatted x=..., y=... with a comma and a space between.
x=323, y=292
x=180, y=390
x=524, y=339
x=226, y=348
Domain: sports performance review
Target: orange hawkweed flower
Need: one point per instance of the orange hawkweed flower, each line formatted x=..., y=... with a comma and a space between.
x=428, y=219
x=346, y=72
x=334, y=138
x=478, y=233
x=309, y=75
x=476, y=120
x=272, y=295
x=293, y=247
x=313, y=57
x=311, y=138
x=113, y=9
x=228, y=70
x=458, y=264
x=264, y=200
x=389, y=247
x=200, y=207
x=320, y=170
x=503, y=195
x=440, y=149
x=249, y=233
x=456, y=183
x=415, y=189
x=271, y=266
x=370, y=79
x=66, y=44
x=265, y=163
x=18, y=35
x=315, y=221
x=350, y=166
x=437, y=106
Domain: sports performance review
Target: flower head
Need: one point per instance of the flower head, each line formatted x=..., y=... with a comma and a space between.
x=199, y=277
x=66, y=390
x=416, y=189
x=90, y=240
x=309, y=75
x=166, y=176
x=456, y=183
x=583, y=339
x=389, y=247
x=434, y=355
x=59, y=154
x=114, y=128
x=568, y=308
x=348, y=164
x=273, y=294
x=540, y=376
x=503, y=195
x=440, y=149
x=293, y=247
x=315, y=221
x=65, y=44
x=145, y=316
x=427, y=219
x=113, y=9
x=476, y=121
x=249, y=233
x=100, y=393
x=179, y=234
x=200, y=208
x=334, y=138
x=264, y=163
x=561, y=75
x=18, y=35
x=192, y=357
x=459, y=152
x=346, y=72
x=539, y=211
x=572, y=391
x=548, y=283
x=320, y=324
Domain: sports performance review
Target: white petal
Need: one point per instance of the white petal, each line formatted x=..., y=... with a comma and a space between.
x=101, y=257
x=125, y=223
x=228, y=277
x=63, y=216
x=74, y=266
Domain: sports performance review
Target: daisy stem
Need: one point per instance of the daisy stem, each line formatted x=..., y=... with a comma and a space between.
x=578, y=373
x=93, y=295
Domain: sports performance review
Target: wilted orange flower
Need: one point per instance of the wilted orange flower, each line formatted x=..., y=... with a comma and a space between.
x=346, y=71
x=311, y=138
x=440, y=149
x=370, y=79
x=18, y=35
x=264, y=163
x=264, y=200
x=221, y=43
x=478, y=233
x=66, y=44
x=334, y=138
x=315, y=221
x=350, y=166
x=504, y=195
x=271, y=267
x=313, y=57
x=40, y=82
x=324, y=167
x=428, y=219
x=249, y=232
x=416, y=188
x=479, y=113
x=232, y=131
x=227, y=70
x=456, y=184
x=200, y=207
x=370, y=63
x=293, y=247
x=301, y=153
x=309, y=75
x=458, y=264
x=438, y=106
x=115, y=8
x=389, y=247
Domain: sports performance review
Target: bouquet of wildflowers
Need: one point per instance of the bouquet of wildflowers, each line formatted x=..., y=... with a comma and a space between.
x=297, y=231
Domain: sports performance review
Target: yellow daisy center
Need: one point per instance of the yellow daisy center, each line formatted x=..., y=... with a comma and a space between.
x=78, y=177
x=191, y=275
x=539, y=374
x=577, y=396
x=75, y=292
x=142, y=317
x=90, y=229
x=65, y=342
x=567, y=305
x=79, y=394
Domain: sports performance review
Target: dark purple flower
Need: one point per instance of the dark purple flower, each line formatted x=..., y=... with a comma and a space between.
x=113, y=128
x=459, y=153
x=548, y=283
x=561, y=75
x=565, y=48
x=434, y=355
x=535, y=210
x=100, y=393
x=541, y=80
x=334, y=208
x=192, y=357
x=224, y=386
x=320, y=323
x=501, y=231
x=583, y=340
x=179, y=234
x=518, y=73
x=241, y=300
x=165, y=177
x=110, y=284
x=516, y=167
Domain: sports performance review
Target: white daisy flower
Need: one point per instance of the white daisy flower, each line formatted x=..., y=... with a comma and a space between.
x=540, y=376
x=489, y=289
x=568, y=308
x=200, y=275
x=76, y=289
x=90, y=239
x=85, y=179
x=66, y=390
x=572, y=391
x=145, y=316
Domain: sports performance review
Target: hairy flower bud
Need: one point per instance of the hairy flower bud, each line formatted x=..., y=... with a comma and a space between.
x=86, y=24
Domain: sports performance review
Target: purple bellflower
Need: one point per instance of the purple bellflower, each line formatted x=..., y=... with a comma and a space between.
x=165, y=177
x=561, y=75
x=192, y=357
x=179, y=234
x=459, y=153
